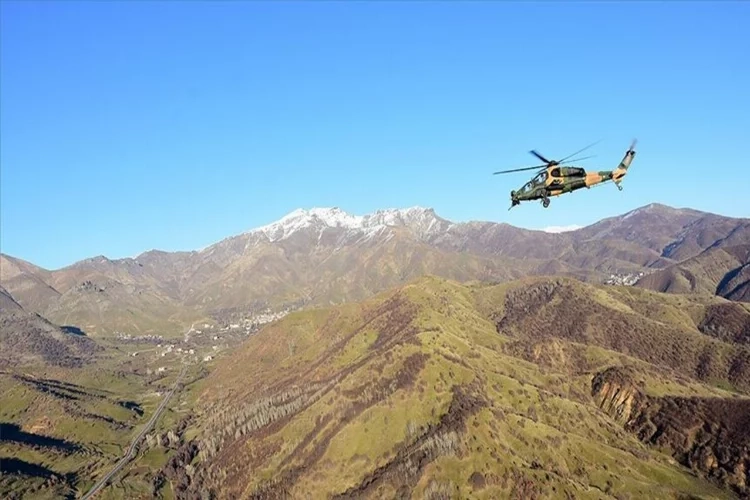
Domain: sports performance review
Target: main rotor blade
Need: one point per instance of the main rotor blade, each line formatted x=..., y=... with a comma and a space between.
x=582, y=150
x=519, y=170
x=545, y=160
x=578, y=159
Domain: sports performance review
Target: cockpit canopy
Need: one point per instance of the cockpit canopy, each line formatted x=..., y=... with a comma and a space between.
x=538, y=180
x=567, y=172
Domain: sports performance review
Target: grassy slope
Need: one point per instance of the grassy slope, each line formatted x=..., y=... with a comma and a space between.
x=415, y=389
x=122, y=309
x=82, y=407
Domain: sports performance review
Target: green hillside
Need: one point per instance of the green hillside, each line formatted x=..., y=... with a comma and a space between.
x=432, y=391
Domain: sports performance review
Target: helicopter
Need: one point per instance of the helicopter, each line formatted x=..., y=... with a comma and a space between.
x=554, y=179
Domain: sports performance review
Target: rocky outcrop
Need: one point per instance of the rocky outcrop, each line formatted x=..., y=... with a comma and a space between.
x=709, y=435
x=615, y=392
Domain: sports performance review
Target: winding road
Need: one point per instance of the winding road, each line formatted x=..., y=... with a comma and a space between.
x=133, y=446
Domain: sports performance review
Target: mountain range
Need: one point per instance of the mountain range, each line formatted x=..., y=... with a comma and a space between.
x=326, y=256
x=440, y=360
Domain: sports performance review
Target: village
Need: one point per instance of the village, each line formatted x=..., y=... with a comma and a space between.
x=624, y=279
x=202, y=342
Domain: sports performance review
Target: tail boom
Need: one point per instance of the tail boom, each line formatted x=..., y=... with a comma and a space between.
x=622, y=168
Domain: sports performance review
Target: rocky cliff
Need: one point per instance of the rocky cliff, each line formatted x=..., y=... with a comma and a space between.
x=709, y=435
x=615, y=392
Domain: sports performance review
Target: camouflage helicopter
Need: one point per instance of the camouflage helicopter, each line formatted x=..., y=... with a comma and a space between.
x=553, y=179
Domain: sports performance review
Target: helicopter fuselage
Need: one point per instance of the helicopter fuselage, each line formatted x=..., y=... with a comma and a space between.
x=552, y=182
x=556, y=180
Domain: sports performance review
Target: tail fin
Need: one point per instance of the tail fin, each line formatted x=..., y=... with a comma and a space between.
x=622, y=168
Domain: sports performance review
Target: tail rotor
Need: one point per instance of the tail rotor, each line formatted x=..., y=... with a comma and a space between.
x=622, y=168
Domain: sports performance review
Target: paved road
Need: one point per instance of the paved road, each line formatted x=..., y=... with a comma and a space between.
x=131, y=450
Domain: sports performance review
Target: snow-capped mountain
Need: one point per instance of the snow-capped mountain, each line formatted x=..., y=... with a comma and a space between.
x=319, y=255
x=422, y=222
x=315, y=218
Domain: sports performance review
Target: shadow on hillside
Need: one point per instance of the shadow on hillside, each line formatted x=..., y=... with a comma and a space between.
x=12, y=432
x=21, y=467
x=73, y=330
x=132, y=406
x=64, y=390
x=721, y=288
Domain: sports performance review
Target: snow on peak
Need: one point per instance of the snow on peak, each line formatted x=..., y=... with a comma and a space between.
x=418, y=218
x=650, y=208
x=399, y=217
x=561, y=229
x=633, y=212
x=332, y=217
x=304, y=218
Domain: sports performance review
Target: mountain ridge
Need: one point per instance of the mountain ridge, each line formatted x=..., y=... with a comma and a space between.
x=555, y=230
x=326, y=255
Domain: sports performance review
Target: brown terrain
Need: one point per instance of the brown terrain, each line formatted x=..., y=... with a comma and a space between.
x=708, y=435
x=722, y=270
x=27, y=338
x=658, y=329
x=437, y=390
x=318, y=263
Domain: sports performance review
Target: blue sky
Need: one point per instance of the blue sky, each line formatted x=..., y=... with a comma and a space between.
x=171, y=125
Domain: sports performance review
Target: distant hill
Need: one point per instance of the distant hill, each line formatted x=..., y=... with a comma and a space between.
x=29, y=339
x=723, y=270
x=29, y=283
x=698, y=336
x=8, y=305
x=441, y=390
x=323, y=256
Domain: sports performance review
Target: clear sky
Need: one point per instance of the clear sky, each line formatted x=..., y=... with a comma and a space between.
x=171, y=125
